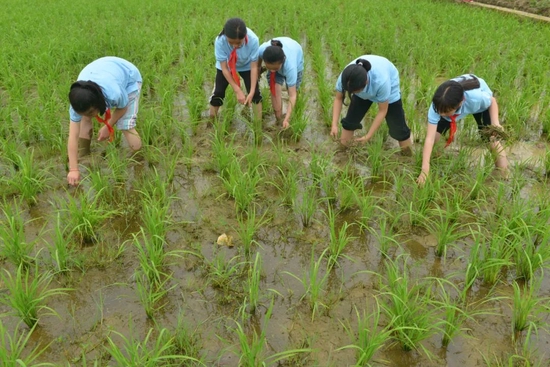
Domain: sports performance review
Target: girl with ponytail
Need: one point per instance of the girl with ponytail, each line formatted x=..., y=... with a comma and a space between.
x=365, y=80
x=284, y=60
x=236, y=51
x=108, y=90
x=453, y=100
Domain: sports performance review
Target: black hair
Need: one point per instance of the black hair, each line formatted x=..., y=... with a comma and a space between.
x=234, y=28
x=85, y=95
x=274, y=54
x=449, y=95
x=354, y=77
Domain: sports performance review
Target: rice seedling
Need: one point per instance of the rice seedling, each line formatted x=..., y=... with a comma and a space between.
x=248, y=225
x=252, y=285
x=496, y=257
x=62, y=254
x=444, y=228
x=30, y=178
x=288, y=188
x=527, y=307
x=242, y=184
x=103, y=187
x=85, y=216
x=148, y=352
x=339, y=238
x=409, y=306
x=14, y=245
x=29, y=292
x=118, y=164
x=367, y=204
x=368, y=337
x=155, y=215
x=477, y=185
x=314, y=284
x=420, y=201
x=299, y=123
x=221, y=272
x=376, y=157
x=385, y=236
x=151, y=293
x=252, y=349
x=306, y=204
x=151, y=256
x=14, y=349
x=319, y=164
x=348, y=192
x=186, y=342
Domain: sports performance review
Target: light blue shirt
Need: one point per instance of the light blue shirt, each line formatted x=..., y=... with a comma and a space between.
x=247, y=53
x=294, y=59
x=116, y=77
x=382, y=81
x=475, y=101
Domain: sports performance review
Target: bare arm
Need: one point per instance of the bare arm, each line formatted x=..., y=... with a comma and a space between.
x=380, y=116
x=336, y=110
x=254, y=68
x=73, y=177
x=493, y=112
x=427, y=152
x=292, y=95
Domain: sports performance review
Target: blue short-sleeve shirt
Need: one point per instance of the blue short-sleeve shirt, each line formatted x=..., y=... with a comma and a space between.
x=116, y=77
x=475, y=101
x=246, y=54
x=294, y=59
x=382, y=81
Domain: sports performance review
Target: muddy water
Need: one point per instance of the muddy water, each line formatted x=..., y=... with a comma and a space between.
x=104, y=299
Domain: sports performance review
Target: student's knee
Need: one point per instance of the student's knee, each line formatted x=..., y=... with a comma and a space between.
x=216, y=101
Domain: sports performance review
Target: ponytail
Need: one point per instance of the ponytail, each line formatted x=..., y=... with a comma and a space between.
x=274, y=54
x=449, y=95
x=355, y=77
x=85, y=95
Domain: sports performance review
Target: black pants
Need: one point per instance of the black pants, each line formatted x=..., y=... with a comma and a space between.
x=221, y=85
x=395, y=118
x=482, y=118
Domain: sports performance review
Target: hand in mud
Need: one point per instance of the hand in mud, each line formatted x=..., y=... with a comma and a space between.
x=241, y=98
x=248, y=100
x=103, y=134
x=421, y=180
x=334, y=132
x=286, y=124
x=363, y=139
x=73, y=177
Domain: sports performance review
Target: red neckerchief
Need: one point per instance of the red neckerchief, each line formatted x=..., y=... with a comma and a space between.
x=453, y=129
x=105, y=121
x=272, y=82
x=233, y=63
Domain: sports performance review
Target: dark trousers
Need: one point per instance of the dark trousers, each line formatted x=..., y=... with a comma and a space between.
x=482, y=118
x=221, y=85
x=395, y=118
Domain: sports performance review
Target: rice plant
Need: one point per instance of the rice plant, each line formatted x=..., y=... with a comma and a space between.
x=288, y=186
x=152, y=293
x=29, y=178
x=368, y=336
x=306, y=204
x=248, y=225
x=252, y=348
x=252, y=285
x=221, y=272
x=186, y=342
x=527, y=307
x=149, y=352
x=444, y=228
x=155, y=213
x=118, y=164
x=13, y=245
x=63, y=255
x=85, y=217
x=366, y=202
x=339, y=238
x=28, y=293
x=223, y=151
x=15, y=350
x=409, y=306
x=242, y=184
x=314, y=283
